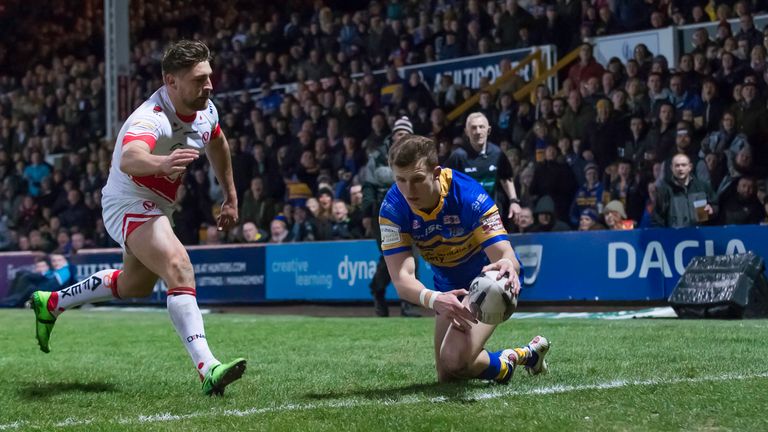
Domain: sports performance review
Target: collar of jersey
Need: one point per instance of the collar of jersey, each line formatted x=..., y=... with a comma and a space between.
x=446, y=176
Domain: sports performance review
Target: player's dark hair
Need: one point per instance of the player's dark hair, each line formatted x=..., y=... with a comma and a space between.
x=183, y=55
x=411, y=149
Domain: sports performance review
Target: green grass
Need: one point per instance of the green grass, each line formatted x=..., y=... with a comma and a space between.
x=128, y=371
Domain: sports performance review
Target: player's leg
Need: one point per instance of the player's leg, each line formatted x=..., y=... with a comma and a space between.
x=104, y=285
x=532, y=356
x=156, y=246
x=459, y=354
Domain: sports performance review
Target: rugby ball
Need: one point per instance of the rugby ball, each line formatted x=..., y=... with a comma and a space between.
x=489, y=301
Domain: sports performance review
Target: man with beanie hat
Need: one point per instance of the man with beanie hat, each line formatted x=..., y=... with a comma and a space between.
x=377, y=178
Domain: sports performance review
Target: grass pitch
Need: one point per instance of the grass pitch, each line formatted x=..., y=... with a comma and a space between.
x=116, y=371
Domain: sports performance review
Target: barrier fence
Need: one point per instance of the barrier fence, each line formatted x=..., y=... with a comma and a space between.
x=637, y=265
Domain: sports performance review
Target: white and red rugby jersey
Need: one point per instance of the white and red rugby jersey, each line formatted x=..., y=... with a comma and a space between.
x=156, y=123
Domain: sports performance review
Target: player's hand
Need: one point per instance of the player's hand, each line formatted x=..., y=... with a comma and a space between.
x=449, y=305
x=506, y=269
x=228, y=215
x=177, y=161
x=514, y=212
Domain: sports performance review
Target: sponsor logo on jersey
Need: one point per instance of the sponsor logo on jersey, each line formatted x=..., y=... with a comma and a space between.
x=149, y=205
x=451, y=220
x=416, y=224
x=390, y=235
x=479, y=201
x=491, y=223
x=157, y=109
x=206, y=137
x=142, y=124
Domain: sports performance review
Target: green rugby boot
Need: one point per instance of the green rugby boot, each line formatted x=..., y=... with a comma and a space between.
x=44, y=320
x=222, y=375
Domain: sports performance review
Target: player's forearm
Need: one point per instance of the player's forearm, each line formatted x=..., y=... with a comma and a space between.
x=218, y=154
x=408, y=289
x=502, y=251
x=138, y=163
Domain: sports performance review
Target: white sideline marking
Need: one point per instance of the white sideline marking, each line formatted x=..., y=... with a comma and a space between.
x=353, y=403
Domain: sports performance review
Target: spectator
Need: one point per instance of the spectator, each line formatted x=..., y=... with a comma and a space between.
x=588, y=196
x=47, y=275
x=546, y=217
x=682, y=200
x=577, y=116
x=305, y=227
x=35, y=172
x=279, y=230
x=525, y=221
x=586, y=68
x=683, y=145
x=616, y=217
x=588, y=221
x=603, y=134
x=256, y=207
x=741, y=206
x=341, y=226
x=76, y=214
x=554, y=179
x=252, y=234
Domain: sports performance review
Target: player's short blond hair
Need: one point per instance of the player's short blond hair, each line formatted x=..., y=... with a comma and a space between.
x=411, y=149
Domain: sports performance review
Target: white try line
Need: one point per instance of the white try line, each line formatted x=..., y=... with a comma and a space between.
x=500, y=392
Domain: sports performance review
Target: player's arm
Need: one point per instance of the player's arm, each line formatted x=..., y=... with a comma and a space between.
x=503, y=259
x=402, y=270
x=218, y=153
x=137, y=160
x=490, y=233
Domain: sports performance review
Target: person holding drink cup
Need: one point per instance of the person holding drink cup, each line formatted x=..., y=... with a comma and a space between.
x=683, y=200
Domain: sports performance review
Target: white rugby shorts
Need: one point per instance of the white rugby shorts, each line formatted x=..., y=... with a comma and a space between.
x=123, y=215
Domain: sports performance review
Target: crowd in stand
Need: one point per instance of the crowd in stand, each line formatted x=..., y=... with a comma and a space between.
x=598, y=153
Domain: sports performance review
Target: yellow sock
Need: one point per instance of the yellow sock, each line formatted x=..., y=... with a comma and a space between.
x=522, y=355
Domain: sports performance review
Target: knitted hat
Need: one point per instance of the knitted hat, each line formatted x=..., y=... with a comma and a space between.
x=403, y=123
x=616, y=206
x=590, y=213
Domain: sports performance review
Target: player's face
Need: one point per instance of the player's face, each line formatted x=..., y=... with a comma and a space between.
x=418, y=184
x=194, y=87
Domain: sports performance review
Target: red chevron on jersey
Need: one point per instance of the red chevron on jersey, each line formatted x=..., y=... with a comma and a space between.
x=160, y=185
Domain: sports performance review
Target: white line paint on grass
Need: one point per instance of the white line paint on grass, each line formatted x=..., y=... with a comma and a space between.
x=501, y=392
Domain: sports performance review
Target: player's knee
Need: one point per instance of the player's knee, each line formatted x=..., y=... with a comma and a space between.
x=452, y=363
x=180, y=272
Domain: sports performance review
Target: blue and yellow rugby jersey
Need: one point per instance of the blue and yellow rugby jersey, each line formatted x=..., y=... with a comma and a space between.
x=452, y=237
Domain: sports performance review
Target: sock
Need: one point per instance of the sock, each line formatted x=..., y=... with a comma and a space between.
x=188, y=322
x=496, y=369
x=526, y=356
x=99, y=287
